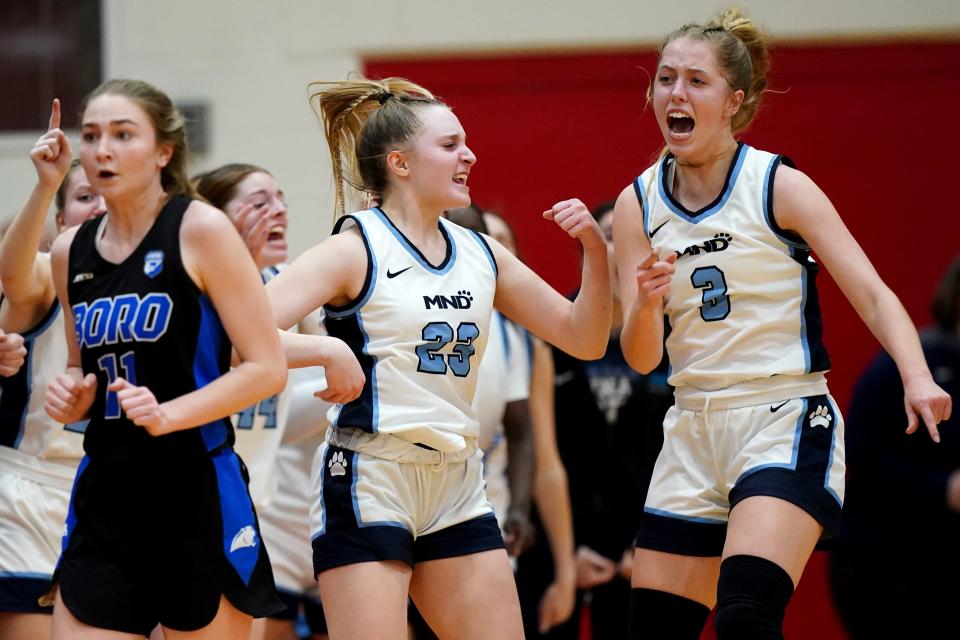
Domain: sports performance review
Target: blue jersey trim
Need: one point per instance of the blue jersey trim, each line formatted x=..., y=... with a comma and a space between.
x=29, y=575
x=804, y=340
x=369, y=280
x=16, y=390
x=323, y=506
x=795, y=456
x=71, y=520
x=714, y=207
x=206, y=367
x=449, y=259
x=236, y=512
x=677, y=516
x=364, y=412
x=786, y=237
x=641, y=192
x=487, y=251
x=504, y=338
x=374, y=387
x=833, y=446
x=27, y=391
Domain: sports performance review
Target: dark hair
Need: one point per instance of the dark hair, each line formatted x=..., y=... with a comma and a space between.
x=946, y=301
x=364, y=120
x=219, y=186
x=470, y=217
x=61, y=198
x=168, y=123
x=741, y=49
x=603, y=209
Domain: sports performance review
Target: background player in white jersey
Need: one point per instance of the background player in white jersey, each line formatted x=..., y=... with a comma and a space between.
x=503, y=416
x=278, y=459
x=38, y=455
x=156, y=292
x=400, y=507
x=553, y=602
x=719, y=235
x=253, y=201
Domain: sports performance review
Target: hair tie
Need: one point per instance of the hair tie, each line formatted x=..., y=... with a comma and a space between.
x=386, y=95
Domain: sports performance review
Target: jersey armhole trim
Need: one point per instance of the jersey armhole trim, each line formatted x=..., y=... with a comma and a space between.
x=641, y=192
x=369, y=280
x=787, y=237
x=487, y=251
x=44, y=323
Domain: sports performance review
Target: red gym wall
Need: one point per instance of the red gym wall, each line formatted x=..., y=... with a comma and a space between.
x=873, y=124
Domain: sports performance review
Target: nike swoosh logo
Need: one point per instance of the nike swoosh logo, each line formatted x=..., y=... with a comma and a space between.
x=778, y=407
x=654, y=232
x=394, y=274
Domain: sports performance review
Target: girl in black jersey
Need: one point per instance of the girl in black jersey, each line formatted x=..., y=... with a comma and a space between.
x=161, y=529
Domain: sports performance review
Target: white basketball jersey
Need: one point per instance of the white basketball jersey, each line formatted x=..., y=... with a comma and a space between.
x=743, y=305
x=258, y=430
x=419, y=331
x=504, y=378
x=34, y=443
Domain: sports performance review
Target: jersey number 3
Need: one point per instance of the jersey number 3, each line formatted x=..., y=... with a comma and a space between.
x=438, y=335
x=716, y=302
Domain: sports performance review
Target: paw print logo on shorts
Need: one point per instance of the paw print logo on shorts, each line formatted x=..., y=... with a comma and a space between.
x=338, y=464
x=821, y=417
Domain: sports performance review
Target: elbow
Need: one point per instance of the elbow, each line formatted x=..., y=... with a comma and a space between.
x=276, y=377
x=592, y=350
x=641, y=365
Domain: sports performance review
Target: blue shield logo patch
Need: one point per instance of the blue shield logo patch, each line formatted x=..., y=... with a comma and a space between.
x=153, y=263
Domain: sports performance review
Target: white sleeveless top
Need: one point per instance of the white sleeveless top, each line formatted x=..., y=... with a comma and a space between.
x=34, y=444
x=419, y=331
x=743, y=306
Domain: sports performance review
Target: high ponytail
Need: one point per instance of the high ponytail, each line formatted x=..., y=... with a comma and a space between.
x=363, y=121
x=741, y=47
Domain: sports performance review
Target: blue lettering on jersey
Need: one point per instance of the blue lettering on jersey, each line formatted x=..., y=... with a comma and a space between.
x=124, y=318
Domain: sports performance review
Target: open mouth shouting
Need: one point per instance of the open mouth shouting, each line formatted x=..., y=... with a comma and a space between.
x=680, y=124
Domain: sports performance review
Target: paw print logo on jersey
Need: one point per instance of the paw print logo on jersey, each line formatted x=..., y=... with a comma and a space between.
x=338, y=464
x=821, y=417
x=721, y=241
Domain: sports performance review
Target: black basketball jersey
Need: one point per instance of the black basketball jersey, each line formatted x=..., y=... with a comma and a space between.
x=145, y=320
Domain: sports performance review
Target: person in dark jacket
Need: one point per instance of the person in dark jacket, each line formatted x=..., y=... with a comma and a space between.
x=897, y=550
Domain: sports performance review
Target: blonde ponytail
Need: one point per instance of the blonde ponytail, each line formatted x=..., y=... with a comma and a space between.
x=364, y=120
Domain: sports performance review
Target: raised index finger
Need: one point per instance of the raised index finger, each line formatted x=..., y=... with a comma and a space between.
x=54, y=115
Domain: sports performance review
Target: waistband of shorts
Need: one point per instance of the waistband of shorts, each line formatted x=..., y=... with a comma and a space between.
x=391, y=447
x=45, y=472
x=754, y=392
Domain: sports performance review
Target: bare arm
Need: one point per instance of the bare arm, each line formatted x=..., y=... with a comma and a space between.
x=800, y=206
x=27, y=281
x=580, y=328
x=71, y=394
x=331, y=272
x=214, y=255
x=520, y=465
x=551, y=492
x=645, y=280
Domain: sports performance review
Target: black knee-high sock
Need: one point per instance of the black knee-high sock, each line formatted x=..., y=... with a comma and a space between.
x=752, y=596
x=658, y=615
